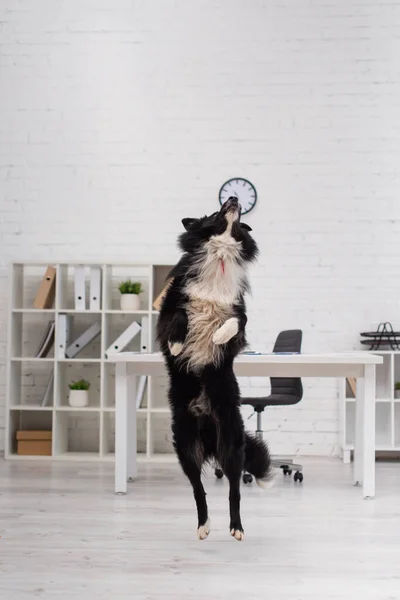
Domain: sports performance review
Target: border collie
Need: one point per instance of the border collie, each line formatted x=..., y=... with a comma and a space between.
x=201, y=328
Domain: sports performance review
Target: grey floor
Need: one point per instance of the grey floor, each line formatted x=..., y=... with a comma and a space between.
x=65, y=535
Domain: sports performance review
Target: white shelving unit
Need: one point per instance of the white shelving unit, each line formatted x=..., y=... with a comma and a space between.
x=387, y=408
x=85, y=433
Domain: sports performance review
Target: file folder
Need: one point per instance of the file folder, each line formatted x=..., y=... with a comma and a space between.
x=80, y=291
x=47, y=341
x=48, y=391
x=95, y=288
x=144, y=335
x=47, y=290
x=124, y=339
x=140, y=390
x=159, y=300
x=63, y=334
x=83, y=340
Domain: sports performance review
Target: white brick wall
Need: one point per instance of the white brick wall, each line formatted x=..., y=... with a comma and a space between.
x=119, y=117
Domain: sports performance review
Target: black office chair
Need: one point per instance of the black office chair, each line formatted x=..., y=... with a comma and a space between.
x=285, y=391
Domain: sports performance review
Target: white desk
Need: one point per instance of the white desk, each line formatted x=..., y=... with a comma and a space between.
x=356, y=364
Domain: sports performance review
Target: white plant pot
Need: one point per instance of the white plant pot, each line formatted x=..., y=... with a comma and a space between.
x=130, y=302
x=397, y=394
x=78, y=398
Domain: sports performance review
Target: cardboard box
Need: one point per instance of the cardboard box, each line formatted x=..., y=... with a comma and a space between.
x=34, y=443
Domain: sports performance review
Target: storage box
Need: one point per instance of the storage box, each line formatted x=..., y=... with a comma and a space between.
x=34, y=443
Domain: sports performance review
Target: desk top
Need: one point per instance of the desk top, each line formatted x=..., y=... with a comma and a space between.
x=337, y=358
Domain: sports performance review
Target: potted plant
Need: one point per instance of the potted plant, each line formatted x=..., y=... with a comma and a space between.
x=397, y=390
x=79, y=394
x=130, y=291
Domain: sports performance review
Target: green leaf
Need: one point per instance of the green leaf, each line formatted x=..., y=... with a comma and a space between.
x=81, y=384
x=130, y=287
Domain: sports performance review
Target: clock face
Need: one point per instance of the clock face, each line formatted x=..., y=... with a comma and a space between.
x=244, y=191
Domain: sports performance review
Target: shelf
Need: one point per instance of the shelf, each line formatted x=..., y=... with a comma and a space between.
x=112, y=362
x=73, y=311
x=88, y=263
x=383, y=351
x=32, y=359
x=165, y=411
x=76, y=409
x=32, y=407
x=29, y=457
x=126, y=312
x=87, y=433
x=380, y=400
x=378, y=448
x=141, y=411
x=87, y=409
x=79, y=360
x=387, y=407
x=45, y=311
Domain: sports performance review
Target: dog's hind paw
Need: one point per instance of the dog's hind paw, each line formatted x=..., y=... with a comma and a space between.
x=269, y=481
x=238, y=534
x=175, y=348
x=226, y=332
x=203, y=530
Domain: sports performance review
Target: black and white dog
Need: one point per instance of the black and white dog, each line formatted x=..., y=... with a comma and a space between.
x=201, y=328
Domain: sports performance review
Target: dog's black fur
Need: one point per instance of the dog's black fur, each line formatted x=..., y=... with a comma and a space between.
x=207, y=290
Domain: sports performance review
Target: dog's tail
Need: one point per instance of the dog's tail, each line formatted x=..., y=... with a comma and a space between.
x=257, y=461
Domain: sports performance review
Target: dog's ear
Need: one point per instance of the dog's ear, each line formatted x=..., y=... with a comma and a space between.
x=246, y=227
x=190, y=224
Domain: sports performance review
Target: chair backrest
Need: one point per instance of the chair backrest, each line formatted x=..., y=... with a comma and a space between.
x=288, y=341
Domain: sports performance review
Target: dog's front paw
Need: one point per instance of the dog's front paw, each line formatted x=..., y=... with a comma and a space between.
x=226, y=332
x=203, y=530
x=175, y=348
x=238, y=534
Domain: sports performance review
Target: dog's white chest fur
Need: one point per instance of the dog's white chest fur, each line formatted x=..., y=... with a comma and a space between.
x=212, y=294
x=221, y=276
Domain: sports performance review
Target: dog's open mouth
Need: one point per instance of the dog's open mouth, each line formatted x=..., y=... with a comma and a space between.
x=232, y=206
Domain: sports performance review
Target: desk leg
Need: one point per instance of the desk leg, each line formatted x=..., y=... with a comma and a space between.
x=131, y=473
x=125, y=427
x=359, y=437
x=369, y=432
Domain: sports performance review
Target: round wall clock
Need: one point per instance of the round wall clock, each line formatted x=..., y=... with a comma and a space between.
x=244, y=191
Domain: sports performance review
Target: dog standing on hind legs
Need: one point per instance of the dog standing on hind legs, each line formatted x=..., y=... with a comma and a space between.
x=201, y=329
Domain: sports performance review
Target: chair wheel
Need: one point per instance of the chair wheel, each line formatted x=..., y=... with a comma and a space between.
x=247, y=478
x=298, y=476
x=287, y=472
x=219, y=473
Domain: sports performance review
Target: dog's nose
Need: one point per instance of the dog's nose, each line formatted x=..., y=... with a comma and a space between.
x=232, y=203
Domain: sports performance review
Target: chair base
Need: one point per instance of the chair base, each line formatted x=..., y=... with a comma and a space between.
x=278, y=462
x=285, y=463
